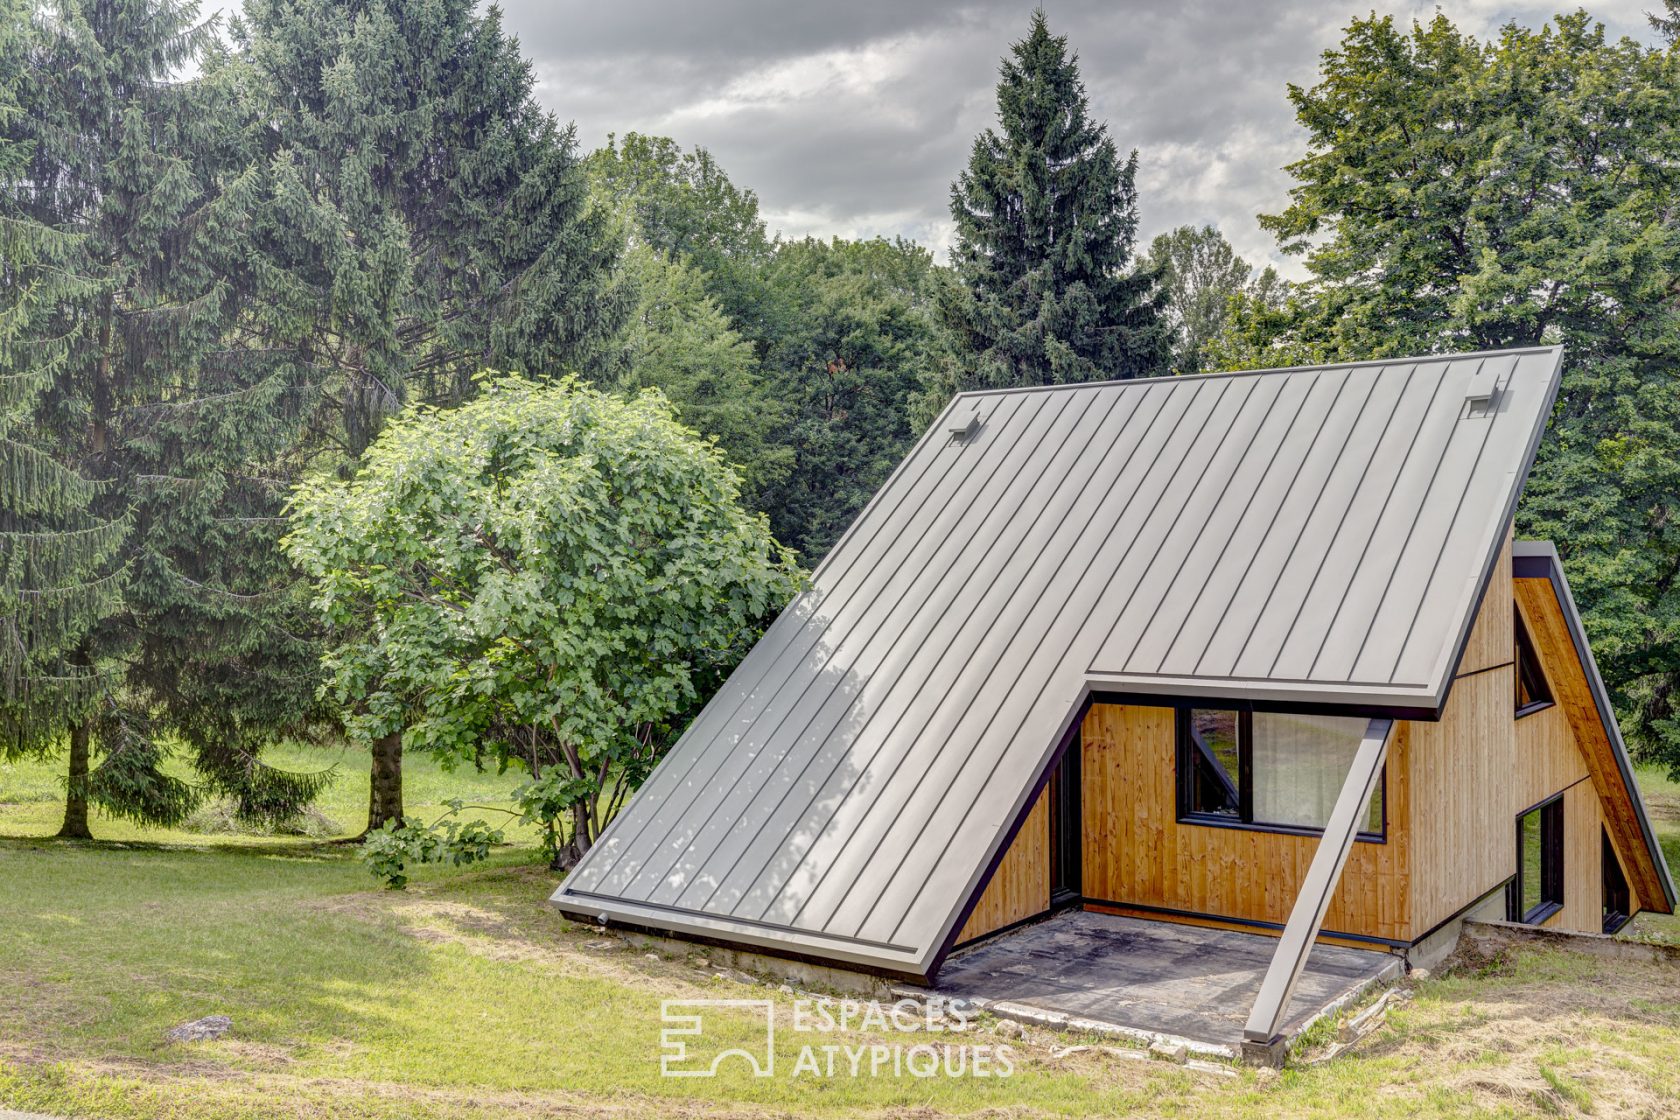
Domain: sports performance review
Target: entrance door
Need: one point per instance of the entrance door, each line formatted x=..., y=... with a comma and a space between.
x=1065, y=832
x=1616, y=902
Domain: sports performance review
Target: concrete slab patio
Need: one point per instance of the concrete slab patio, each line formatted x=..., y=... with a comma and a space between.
x=1150, y=980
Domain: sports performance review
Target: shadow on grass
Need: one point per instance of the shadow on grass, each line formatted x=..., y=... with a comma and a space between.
x=109, y=944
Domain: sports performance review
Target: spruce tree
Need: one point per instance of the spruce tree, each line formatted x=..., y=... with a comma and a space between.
x=59, y=559
x=421, y=217
x=1046, y=219
x=417, y=218
x=155, y=412
x=1667, y=21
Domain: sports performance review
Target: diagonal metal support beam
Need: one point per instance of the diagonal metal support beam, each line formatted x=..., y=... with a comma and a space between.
x=1307, y=916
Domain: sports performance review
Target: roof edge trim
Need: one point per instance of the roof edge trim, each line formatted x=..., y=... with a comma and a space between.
x=1451, y=356
x=778, y=940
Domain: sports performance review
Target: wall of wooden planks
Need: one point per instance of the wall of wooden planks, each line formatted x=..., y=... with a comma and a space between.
x=1137, y=853
x=1020, y=887
x=1460, y=777
x=1492, y=637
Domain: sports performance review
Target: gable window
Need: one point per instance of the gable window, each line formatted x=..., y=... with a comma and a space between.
x=1532, y=691
x=1268, y=770
x=1537, y=891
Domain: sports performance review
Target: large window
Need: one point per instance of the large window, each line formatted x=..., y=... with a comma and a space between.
x=1532, y=691
x=1268, y=769
x=1537, y=891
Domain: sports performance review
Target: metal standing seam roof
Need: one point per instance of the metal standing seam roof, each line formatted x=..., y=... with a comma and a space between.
x=1314, y=535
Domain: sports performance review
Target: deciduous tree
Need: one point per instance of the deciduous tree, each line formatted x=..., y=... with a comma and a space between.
x=858, y=335
x=1201, y=275
x=548, y=575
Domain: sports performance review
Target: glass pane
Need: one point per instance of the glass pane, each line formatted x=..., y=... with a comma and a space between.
x=1374, y=812
x=1531, y=684
x=1529, y=858
x=1214, y=754
x=1300, y=763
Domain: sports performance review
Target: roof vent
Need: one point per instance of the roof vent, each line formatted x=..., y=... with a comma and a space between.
x=1484, y=386
x=962, y=428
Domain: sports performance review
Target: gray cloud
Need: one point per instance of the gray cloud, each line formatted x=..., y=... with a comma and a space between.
x=853, y=118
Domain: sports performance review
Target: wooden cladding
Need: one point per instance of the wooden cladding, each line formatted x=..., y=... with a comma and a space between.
x=1020, y=887
x=1460, y=773
x=1137, y=853
x=1543, y=616
x=1492, y=637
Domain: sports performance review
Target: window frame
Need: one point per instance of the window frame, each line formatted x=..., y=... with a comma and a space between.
x=1183, y=763
x=1524, y=655
x=1551, y=864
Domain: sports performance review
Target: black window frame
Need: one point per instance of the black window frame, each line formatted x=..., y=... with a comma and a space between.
x=1526, y=665
x=1551, y=864
x=1618, y=897
x=1184, y=759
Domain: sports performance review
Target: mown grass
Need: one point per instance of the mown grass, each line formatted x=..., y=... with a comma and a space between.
x=32, y=796
x=1662, y=801
x=466, y=996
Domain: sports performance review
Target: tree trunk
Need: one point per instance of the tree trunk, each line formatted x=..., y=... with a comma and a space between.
x=567, y=856
x=385, y=798
x=75, y=790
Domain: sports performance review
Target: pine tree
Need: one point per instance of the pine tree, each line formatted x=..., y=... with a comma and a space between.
x=59, y=559
x=417, y=219
x=157, y=413
x=1046, y=217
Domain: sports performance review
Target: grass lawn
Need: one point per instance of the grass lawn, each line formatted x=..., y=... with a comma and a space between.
x=466, y=996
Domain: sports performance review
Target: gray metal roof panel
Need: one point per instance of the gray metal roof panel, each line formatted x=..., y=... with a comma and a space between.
x=1316, y=534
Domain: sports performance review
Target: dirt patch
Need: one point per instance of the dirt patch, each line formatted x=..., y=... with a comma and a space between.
x=1663, y=806
x=1544, y=1030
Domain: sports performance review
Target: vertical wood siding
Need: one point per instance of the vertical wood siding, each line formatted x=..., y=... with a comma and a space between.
x=1020, y=887
x=1136, y=853
x=1462, y=801
x=1492, y=637
x=1583, y=871
x=1547, y=758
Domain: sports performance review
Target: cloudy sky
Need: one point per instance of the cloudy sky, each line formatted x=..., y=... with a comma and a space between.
x=851, y=117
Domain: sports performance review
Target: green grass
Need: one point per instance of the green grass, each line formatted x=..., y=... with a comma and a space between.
x=1662, y=801
x=466, y=996
x=32, y=796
